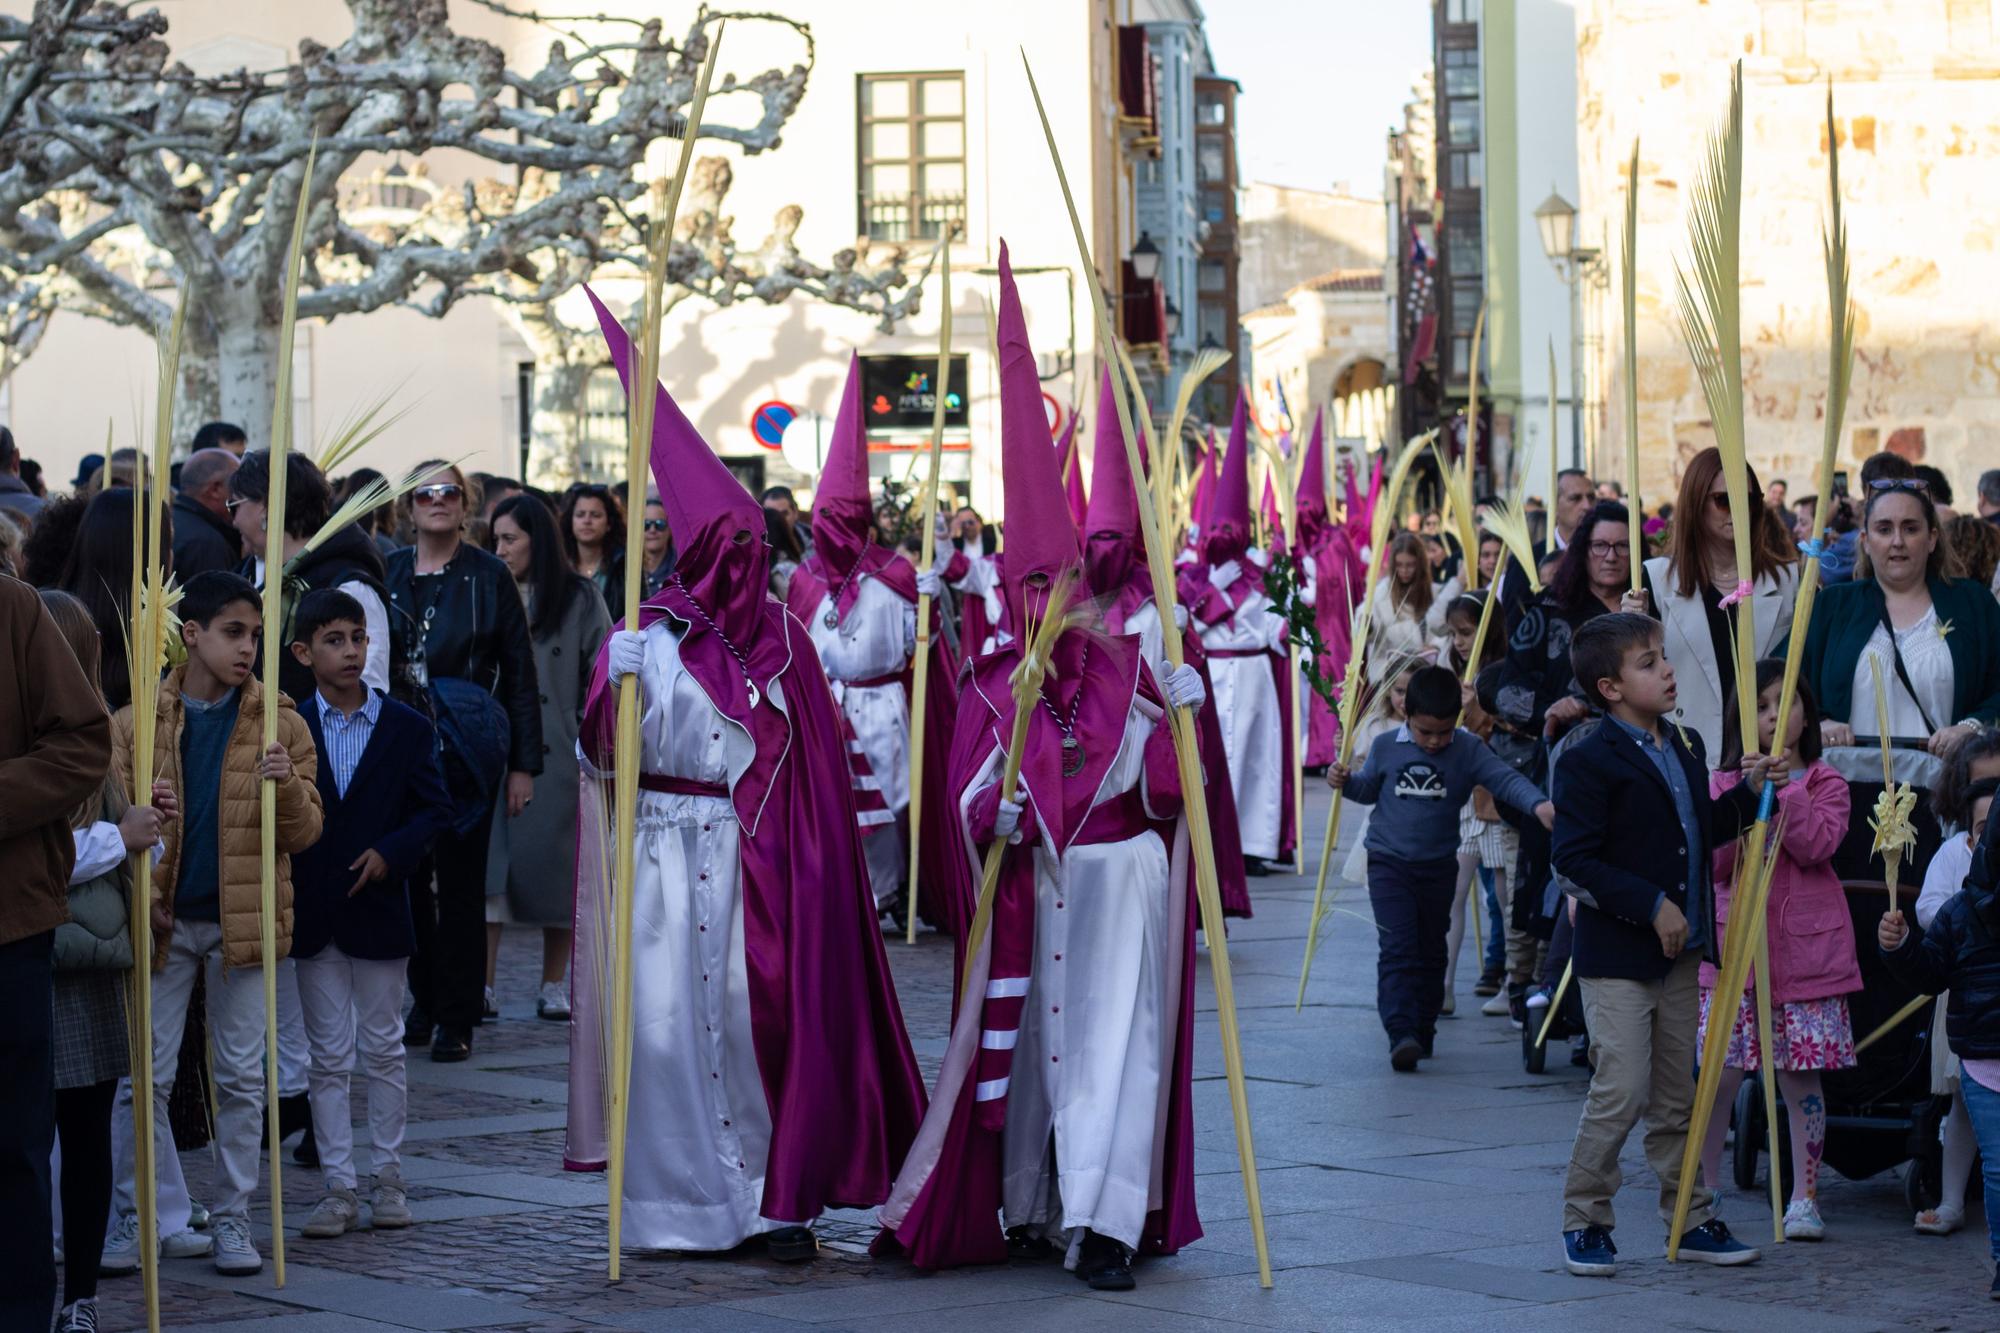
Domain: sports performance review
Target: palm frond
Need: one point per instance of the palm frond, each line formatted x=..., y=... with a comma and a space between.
x=1167, y=467
x=1457, y=478
x=359, y=428
x=1507, y=520
x=1630, y=266
x=1840, y=310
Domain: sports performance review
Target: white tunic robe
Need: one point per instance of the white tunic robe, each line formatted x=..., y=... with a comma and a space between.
x=700, y=1121
x=1097, y=1034
x=1246, y=704
x=875, y=638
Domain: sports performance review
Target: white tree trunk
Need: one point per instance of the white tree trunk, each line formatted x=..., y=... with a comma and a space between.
x=229, y=372
x=556, y=428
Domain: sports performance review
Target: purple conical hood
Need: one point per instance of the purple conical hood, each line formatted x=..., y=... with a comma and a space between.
x=1040, y=538
x=707, y=507
x=1114, y=503
x=1113, y=549
x=1312, y=483
x=843, y=511
x=1227, y=534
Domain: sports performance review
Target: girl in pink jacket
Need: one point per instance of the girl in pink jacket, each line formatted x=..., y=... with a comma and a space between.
x=1811, y=939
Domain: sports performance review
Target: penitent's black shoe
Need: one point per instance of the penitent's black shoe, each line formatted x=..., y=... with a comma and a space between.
x=791, y=1245
x=1025, y=1244
x=417, y=1029
x=1104, y=1263
x=451, y=1047
x=1403, y=1056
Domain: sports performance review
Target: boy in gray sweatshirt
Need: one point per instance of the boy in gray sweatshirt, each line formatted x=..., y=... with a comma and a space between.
x=1418, y=778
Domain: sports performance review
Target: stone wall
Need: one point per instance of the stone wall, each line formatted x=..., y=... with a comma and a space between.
x=1917, y=100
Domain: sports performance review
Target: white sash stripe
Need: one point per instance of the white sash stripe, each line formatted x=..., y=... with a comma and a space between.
x=999, y=1039
x=990, y=1091
x=1006, y=988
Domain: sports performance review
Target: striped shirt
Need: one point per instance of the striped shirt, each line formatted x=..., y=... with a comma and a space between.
x=347, y=736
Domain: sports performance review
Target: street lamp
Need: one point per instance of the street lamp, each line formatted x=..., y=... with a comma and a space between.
x=1173, y=318
x=1556, y=220
x=1145, y=258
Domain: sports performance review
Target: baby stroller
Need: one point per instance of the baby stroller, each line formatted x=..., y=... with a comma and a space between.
x=1880, y=1114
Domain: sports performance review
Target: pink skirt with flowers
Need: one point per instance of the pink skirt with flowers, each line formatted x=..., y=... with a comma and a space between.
x=1807, y=1035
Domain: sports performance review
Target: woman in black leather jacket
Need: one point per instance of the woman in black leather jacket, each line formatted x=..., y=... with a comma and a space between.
x=455, y=613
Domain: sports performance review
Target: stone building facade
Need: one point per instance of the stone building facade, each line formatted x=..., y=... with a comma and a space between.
x=1917, y=99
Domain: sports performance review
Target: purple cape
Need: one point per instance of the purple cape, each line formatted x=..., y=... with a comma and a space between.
x=843, y=1088
x=1338, y=567
x=945, y=1208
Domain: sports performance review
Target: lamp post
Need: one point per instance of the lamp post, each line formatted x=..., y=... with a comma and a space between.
x=1556, y=220
x=1145, y=258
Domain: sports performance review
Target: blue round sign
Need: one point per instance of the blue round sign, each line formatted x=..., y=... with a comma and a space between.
x=768, y=422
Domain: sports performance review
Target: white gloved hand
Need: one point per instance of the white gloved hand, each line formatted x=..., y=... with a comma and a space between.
x=627, y=654
x=929, y=584
x=1184, y=687
x=1007, y=819
x=1180, y=616
x=1221, y=576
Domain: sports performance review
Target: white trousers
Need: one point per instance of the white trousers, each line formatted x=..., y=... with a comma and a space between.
x=236, y=1033
x=350, y=1004
x=291, y=1033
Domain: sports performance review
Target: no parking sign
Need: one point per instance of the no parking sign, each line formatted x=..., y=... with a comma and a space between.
x=768, y=422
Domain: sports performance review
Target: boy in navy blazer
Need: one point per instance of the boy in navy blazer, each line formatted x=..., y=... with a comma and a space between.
x=385, y=802
x=1634, y=832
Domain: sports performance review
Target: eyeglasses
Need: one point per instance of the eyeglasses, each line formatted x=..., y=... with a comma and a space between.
x=437, y=495
x=1605, y=550
x=1917, y=484
x=231, y=503
x=1720, y=500
x=656, y=525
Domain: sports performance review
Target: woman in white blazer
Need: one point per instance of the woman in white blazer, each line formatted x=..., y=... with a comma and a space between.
x=1687, y=587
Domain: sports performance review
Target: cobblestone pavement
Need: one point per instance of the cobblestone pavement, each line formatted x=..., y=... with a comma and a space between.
x=1427, y=1200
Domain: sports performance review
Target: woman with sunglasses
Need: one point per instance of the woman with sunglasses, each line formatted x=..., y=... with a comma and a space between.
x=657, y=550
x=456, y=614
x=1693, y=586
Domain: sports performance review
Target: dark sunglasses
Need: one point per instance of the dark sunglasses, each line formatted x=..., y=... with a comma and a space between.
x=1720, y=499
x=656, y=525
x=437, y=495
x=1917, y=484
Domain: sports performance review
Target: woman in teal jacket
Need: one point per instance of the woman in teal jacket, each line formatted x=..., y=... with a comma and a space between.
x=1936, y=637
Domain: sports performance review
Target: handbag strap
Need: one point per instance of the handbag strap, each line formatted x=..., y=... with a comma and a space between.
x=1903, y=674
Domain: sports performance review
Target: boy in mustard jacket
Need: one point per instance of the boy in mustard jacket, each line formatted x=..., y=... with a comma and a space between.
x=207, y=892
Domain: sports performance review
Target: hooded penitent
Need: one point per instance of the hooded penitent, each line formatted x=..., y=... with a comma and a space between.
x=1337, y=566
x=945, y=1208
x=844, y=558
x=1243, y=633
x=1203, y=498
x=1226, y=533
x=1114, y=557
x=840, y=1082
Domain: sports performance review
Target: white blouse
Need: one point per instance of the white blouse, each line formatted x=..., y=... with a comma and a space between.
x=1928, y=658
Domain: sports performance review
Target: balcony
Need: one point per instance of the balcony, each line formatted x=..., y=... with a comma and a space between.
x=1138, y=89
x=889, y=217
x=1142, y=309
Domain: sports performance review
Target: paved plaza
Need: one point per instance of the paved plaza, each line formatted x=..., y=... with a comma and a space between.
x=1428, y=1200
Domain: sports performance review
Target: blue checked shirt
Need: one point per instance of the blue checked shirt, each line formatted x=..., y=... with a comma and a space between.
x=347, y=736
x=1671, y=772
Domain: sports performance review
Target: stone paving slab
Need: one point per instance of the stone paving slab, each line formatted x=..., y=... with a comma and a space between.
x=1427, y=1200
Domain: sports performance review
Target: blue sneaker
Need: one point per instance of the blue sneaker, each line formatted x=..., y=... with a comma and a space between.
x=1711, y=1243
x=1589, y=1252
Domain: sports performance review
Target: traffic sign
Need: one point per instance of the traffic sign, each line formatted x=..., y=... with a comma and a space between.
x=768, y=423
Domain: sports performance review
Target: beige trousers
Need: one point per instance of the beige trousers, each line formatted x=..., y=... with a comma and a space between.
x=1642, y=1044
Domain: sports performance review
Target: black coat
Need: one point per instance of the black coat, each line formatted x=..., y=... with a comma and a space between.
x=396, y=805
x=202, y=541
x=478, y=632
x=1619, y=840
x=1960, y=951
